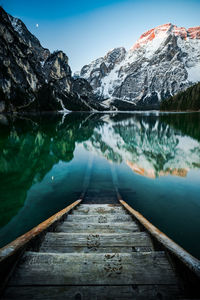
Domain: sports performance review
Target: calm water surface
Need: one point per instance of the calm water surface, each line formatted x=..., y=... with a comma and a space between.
x=155, y=159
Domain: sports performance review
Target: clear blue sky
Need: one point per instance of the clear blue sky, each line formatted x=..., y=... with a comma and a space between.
x=87, y=29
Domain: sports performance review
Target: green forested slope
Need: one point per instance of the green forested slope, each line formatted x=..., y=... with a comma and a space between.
x=186, y=100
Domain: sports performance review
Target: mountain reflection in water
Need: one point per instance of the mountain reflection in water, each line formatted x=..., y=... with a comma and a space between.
x=147, y=144
x=43, y=160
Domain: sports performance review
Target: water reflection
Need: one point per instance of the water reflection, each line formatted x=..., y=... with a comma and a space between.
x=29, y=148
x=148, y=145
x=43, y=158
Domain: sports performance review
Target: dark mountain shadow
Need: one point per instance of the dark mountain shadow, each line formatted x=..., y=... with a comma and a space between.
x=186, y=123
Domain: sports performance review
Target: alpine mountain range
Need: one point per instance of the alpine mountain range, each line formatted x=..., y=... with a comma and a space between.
x=164, y=61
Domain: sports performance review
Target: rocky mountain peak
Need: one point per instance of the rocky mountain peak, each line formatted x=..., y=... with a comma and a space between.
x=148, y=36
x=163, y=61
x=56, y=66
x=28, y=38
x=103, y=65
x=32, y=78
x=163, y=31
x=115, y=55
x=194, y=32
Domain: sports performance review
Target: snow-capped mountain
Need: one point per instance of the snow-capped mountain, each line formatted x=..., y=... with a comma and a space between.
x=162, y=62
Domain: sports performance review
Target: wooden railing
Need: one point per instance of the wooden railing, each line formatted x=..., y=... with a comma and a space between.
x=10, y=254
x=190, y=261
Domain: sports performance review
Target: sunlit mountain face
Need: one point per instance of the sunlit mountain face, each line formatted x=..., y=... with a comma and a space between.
x=162, y=62
x=153, y=159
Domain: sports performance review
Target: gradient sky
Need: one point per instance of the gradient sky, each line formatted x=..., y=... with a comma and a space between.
x=88, y=29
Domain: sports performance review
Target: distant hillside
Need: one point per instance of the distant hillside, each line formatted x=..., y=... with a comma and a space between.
x=186, y=100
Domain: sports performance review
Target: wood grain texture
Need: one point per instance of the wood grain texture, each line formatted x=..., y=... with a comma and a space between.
x=102, y=218
x=10, y=254
x=94, y=249
x=186, y=258
x=137, y=292
x=98, y=252
x=95, y=269
x=72, y=227
x=98, y=209
x=59, y=242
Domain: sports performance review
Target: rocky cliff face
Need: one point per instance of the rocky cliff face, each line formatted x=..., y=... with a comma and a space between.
x=32, y=78
x=164, y=61
x=101, y=67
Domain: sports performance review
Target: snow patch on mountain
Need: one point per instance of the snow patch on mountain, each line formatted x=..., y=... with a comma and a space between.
x=194, y=73
x=16, y=24
x=164, y=61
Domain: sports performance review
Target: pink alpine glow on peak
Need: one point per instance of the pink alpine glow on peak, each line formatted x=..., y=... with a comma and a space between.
x=164, y=30
x=194, y=32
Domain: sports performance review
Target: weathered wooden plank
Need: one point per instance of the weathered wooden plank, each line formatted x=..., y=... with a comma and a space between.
x=101, y=205
x=111, y=199
x=85, y=249
x=98, y=227
x=58, y=242
x=137, y=292
x=143, y=249
x=107, y=218
x=99, y=209
x=96, y=269
x=10, y=253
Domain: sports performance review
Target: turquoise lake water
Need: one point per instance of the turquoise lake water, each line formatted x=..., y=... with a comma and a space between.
x=155, y=158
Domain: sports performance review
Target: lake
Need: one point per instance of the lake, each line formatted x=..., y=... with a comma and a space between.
x=152, y=158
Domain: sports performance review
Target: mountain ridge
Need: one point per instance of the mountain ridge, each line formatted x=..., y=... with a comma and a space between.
x=192, y=32
x=162, y=62
x=33, y=79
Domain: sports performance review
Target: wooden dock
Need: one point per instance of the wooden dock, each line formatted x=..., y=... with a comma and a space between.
x=97, y=252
